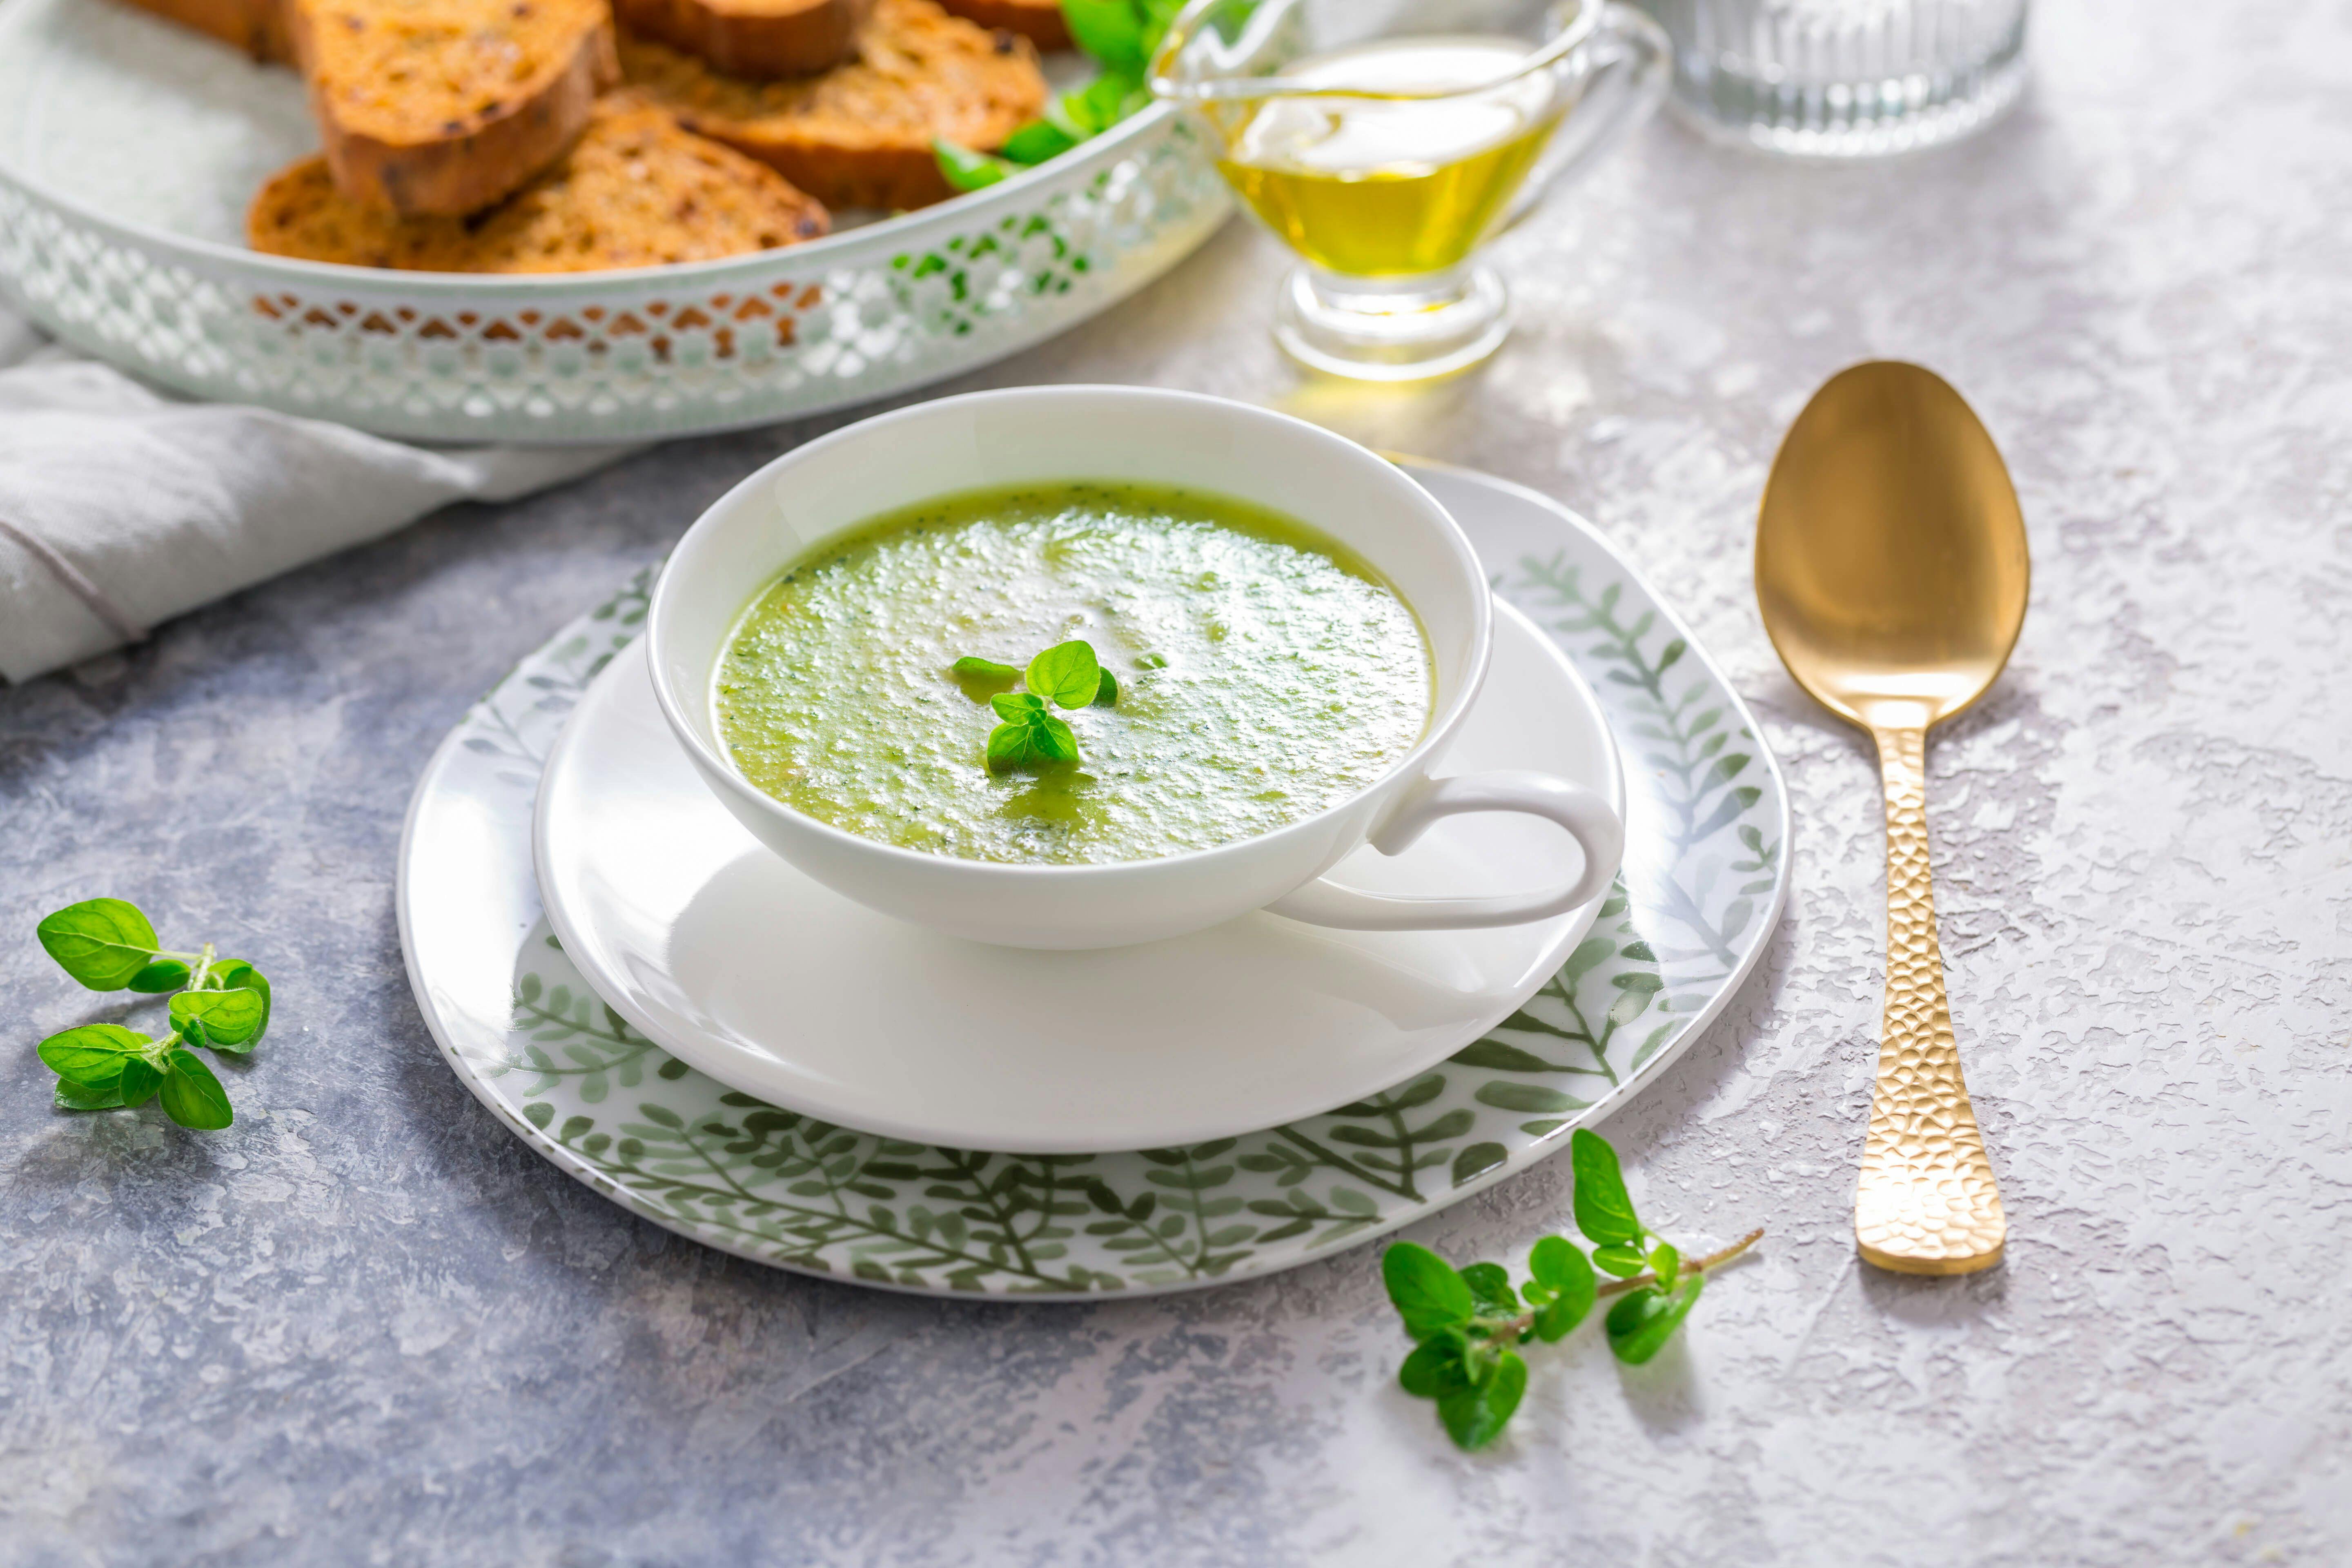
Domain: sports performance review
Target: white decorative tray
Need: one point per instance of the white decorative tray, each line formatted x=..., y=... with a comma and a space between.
x=129, y=149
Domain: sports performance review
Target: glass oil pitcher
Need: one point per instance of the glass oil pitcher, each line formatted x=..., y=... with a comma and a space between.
x=1386, y=140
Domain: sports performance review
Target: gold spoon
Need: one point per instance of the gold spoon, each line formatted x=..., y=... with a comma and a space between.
x=1891, y=569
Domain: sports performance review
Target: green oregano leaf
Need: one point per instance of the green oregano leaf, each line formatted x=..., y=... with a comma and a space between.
x=93, y=1054
x=1665, y=1263
x=72, y=1096
x=1037, y=140
x=1604, y=1212
x=1490, y=1287
x=236, y=974
x=1055, y=740
x=1619, y=1258
x=1643, y=1321
x=1475, y=1416
x=191, y=1096
x=1429, y=1295
x=1107, y=694
x=225, y=1020
x=984, y=673
x=967, y=170
x=138, y=1082
x=1068, y=673
x=163, y=974
x=105, y=943
x=1434, y=1369
x=1564, y=1271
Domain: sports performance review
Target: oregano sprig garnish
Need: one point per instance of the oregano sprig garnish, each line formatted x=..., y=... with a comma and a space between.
x=223, y=1005
x=1030, y=733
x=1465, y=1324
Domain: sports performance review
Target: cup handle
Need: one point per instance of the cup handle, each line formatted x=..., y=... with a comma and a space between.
x=1588, y=818
x=1626, y=74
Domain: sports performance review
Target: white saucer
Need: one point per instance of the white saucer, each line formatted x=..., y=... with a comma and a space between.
x=738, y=964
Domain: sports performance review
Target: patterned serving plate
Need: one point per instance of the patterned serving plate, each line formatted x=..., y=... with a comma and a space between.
x=130, y=148
x=1705, y=876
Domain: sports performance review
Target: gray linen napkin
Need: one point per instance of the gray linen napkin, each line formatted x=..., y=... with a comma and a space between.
x=120, y=507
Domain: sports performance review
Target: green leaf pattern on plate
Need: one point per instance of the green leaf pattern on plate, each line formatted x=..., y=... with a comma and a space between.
x=1703, y=863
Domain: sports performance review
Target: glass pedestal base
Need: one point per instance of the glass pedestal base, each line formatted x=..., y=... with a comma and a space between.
x=1391, y=329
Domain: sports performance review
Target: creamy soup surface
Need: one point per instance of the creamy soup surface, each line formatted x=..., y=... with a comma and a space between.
x=1264, y=674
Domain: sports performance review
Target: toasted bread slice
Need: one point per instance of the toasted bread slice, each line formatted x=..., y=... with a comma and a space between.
x=256, y=27
x=760, y=39
x=637, y=190
x=1039, y=21
x=445, y=105
x=860, y=135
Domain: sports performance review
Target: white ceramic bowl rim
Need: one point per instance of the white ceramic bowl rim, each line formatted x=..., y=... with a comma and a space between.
x=1434, y=735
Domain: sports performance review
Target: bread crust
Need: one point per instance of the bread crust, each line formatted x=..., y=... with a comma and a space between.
x=382, y=155
x=860, y=135
x=1039, y=21
x=637, y=190
x=256, y=27
x=756, y=38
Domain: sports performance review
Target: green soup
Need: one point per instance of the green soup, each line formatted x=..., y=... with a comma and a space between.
x=1264, y=674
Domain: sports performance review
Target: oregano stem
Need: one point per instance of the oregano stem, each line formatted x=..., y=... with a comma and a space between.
x=1499, y=1327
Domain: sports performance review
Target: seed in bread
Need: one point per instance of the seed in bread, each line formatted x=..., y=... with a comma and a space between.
x=860, y=134
x=759, y=38
x=445, y=105
x=1039, y=21
x=256, y=27
x=635, y=191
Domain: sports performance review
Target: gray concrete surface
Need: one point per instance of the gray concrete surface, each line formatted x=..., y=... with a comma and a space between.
x=370, y=1327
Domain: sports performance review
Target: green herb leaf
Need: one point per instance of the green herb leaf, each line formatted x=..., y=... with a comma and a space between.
x=72, y=1096
x=985, y=674
x=163, y=974
x=1428, y=1294
x=1564, y=1271
x=105, y=943
x=1107, y=696
x=1474, y=1416
x=1666, y=1263
x=1055, y=740
x=1619, y=1258
x=236, y=974
x=191, y=1096
x=1434, y=1368
x=1643, y=1321
x=1037, y=140
x=1151, y=661
x=1603, y=1211
x=93, y=1054
x=1069, y=673
x=1009, y=748
x=1017, y=707
x=1114, y=32
x=1490, y=1287
x=138, y=1082
x=1099, y=105
x=225, y=1020
x=967, y=170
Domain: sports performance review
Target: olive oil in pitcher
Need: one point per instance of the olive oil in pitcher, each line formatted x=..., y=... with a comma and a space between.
x=1379, y=186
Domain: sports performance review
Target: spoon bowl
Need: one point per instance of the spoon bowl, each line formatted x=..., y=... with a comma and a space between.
x=1891, y=571
x=1890, y=551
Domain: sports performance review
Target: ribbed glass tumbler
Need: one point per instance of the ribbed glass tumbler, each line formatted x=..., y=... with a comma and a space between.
x=1843, y=78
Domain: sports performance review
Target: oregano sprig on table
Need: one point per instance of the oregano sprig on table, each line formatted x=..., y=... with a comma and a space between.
x=1466, y=1323
x=223, y=1005
x=1031, y=734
